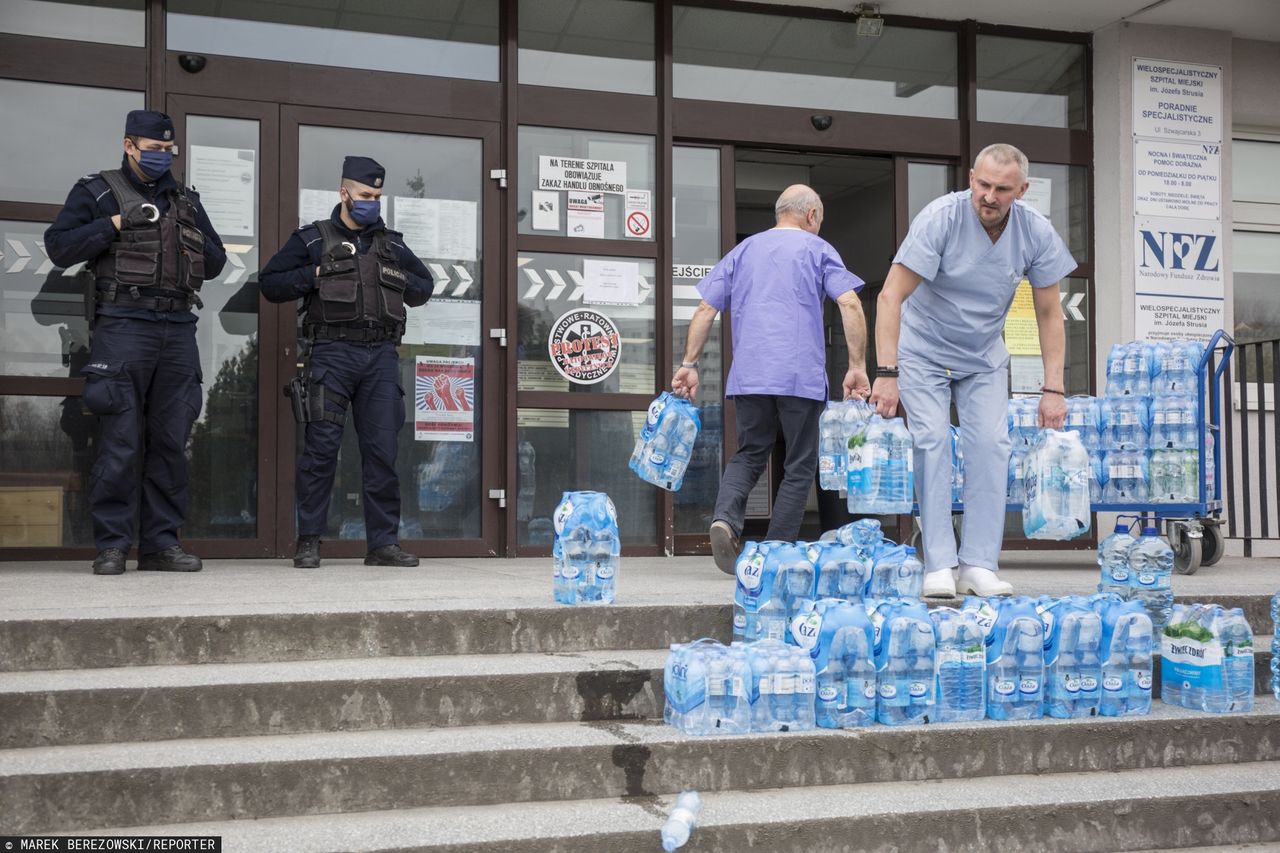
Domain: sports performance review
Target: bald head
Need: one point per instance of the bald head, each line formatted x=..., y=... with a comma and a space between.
x=799, y=207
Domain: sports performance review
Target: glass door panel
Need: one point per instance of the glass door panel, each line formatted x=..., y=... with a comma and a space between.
x=434, y=195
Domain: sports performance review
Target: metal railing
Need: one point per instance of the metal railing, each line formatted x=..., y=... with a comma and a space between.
x=1250, y=443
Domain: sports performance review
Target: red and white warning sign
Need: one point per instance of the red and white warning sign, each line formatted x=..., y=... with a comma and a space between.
x=584, y=346
x=638, y=216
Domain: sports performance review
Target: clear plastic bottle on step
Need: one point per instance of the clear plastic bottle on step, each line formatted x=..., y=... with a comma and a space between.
x=681, y=821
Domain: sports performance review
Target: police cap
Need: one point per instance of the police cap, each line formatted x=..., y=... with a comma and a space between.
x=364, y=170
x=149, y=124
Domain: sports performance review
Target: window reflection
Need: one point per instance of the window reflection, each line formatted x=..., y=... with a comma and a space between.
x=926, y=182
x=1021, y=81
x=48, y=110
x=603, y=45
x=444, y=39
x=44, y=329
x=101, y=21
x=756, y=58
x=1061, y=194
x=696, y=248
x=48, y=445
x=566, y=450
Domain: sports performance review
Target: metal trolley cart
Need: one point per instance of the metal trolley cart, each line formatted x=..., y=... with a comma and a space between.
x=1193, y=529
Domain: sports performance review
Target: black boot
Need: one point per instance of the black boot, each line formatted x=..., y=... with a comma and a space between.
x=390, y=555
x=307, y=554
x=171, y=559
x=110, y=561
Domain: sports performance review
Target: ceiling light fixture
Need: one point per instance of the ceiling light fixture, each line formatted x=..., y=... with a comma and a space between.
x=869, y=21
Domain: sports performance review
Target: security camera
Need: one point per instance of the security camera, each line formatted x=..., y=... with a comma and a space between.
x=192, y=63
x=820, y=122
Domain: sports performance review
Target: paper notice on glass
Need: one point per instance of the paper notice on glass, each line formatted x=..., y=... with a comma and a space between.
x=610, y=282
x=585, y=215
x=546, y=211
x=539, y=376
x=1021, y=330
x=574, y=173
x=542, y=418
x=314, y=205
x=227, y=183
x=438, y=228
x=1039, y=195
x=1026, y=374
x=444, y=399
x=638, y=215
x=454, y=322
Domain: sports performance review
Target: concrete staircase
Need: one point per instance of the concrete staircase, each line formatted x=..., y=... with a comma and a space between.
x=539, y=728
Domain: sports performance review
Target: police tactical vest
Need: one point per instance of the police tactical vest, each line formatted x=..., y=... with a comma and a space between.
x=166, y=255
x=356, y=294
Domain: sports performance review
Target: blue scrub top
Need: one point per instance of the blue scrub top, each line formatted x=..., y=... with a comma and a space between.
x=955, y=317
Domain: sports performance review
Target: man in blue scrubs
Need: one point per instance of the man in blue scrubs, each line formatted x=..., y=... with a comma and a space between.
x=938, y=334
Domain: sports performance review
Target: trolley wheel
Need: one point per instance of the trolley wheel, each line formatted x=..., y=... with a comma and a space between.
x=1213, y=545
x=1187, y=555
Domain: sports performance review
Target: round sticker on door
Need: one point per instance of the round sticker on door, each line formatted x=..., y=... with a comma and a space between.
x=584, y=346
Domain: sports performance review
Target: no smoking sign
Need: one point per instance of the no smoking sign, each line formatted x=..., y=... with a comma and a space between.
x=638, y=223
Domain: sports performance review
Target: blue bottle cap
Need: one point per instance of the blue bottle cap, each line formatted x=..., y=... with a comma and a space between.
x=1150, y=531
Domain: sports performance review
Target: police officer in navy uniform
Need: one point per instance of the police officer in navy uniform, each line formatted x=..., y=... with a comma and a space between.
x=355, y=277
x=148, y=246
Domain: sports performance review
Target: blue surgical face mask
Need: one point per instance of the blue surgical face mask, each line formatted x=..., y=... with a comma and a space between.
x=365, y=212
x=155, y=163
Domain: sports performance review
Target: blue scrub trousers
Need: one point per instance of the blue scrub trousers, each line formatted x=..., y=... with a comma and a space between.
x=369, y=376
x=982, y=402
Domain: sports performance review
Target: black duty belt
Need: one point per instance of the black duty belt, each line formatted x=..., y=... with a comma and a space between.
x=356, y=334
x=147, y=299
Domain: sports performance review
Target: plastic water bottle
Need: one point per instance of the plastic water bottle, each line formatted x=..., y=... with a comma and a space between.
x=605, y=549
x=859, y=693
x=806, y=691
x=957, y=467
x=1126, y=477
x=1127, y=423
x=897, y=573
x=750, y=564
x=1275, y=646
x=861, y=446
x=852, y=571
x=831, y=448
x=577, y=562
x=1151, y=576
x=665, y=445
x=1139, y=652
x=1237, y=659
x=1082, y=418
x=961, y=666
x=1015, y=663
x=1115, y=371
x=1056, y=482
x=1115, y=670
x=892, y=474
x=681, y=821
x=1113, y=560
x=795, y=578
x=1089, y=661
x=1016, y=492
x=1097, y=475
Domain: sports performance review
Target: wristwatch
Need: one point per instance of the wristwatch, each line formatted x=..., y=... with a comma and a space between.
x=690, y=364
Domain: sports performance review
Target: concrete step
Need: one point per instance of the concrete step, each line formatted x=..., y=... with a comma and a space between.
x=145, y=703
x=85, y=787
x=145, y=638
x=1066, y=813
x=62, y=707
x=154, y=637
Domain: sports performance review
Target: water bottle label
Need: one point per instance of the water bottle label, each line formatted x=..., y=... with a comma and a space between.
x=949, y=656
x=919, y=689
x=657, y=458
x=804, y=683
x=750, y=571
x=604, y=571
x=784, y=684
x=1144, y=680
x=766, y=685
x=888, y=691
x=775, y=628
x=561, y=516
x=1127, y=417
x=1029, y=686
x=737, y=687
x=1077, y=418
x=715, y=686
x=1112, y=684
x=570, y=571
x=1071, y=684
x=975, y=657
x=805, y=630
x=1161, y=418
x=1146, y=579
x=1005, y=687
x=739, y=620
x=1120, y=574
x=826, y=464
x=826, y=693
x=1088, y=684
x=869, y=690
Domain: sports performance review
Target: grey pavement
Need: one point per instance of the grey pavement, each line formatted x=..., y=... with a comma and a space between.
x=67, y=590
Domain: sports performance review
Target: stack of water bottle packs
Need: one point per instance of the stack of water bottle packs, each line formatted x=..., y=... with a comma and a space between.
x=585, y=549
x=866, y=458
x=1143, y=437
x=662, y=452
x=832, y=634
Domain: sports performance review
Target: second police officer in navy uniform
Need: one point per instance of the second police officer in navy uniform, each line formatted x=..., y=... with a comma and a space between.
x=148, y=246
x=356, y=278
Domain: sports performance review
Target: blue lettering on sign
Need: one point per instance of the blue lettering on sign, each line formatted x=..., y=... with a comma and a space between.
x=1171, y=250
x=807, y=630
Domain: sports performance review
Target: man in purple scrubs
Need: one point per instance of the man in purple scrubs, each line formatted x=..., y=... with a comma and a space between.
x=773, y=283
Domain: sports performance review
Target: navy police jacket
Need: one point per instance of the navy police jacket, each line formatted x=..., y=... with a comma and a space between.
x=291, y=274
x=83, y=230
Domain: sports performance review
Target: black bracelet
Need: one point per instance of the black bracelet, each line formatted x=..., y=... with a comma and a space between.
x=1052, y=391
x=886, y=373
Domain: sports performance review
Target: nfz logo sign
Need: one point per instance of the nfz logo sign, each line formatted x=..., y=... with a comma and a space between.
x=1178, y=251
